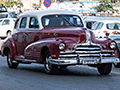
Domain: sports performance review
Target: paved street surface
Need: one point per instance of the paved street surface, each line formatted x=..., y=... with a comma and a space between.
x=33, y=77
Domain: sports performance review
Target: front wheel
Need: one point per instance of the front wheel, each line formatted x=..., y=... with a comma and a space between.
x=105, y=69
x=48, y=67
x=10, y=62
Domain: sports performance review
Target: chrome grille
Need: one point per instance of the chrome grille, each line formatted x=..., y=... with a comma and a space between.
x=86, y=51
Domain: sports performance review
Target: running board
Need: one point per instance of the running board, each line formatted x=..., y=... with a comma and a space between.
x=25, y=60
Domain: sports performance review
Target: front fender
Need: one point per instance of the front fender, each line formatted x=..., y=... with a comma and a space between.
x=36, y=47
x=8, y=44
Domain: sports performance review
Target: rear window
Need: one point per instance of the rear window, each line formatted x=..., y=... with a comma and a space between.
x=113, y=26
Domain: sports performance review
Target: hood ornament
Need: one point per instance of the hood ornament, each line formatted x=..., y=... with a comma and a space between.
x=55, y=35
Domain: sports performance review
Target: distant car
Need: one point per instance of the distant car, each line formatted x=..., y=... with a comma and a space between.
x=3, y=8
x=116, y=37
x=6, y=27
x=89, y=23
x=8, y=15
x=100, y=28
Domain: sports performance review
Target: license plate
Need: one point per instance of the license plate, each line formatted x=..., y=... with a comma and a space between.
x=89, y=62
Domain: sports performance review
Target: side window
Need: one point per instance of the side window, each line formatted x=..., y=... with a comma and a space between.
x=16, y=24
x=6, y=22
x=94, y=26
x=33, y=23
x=23, y=22
x=1, y=22
x=100, y=26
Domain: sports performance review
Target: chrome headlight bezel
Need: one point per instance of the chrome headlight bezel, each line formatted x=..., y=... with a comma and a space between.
x=62, y=46
x=112, y=45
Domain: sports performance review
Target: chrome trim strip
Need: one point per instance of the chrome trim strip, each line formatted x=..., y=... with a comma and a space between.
x=25, y=60
x=87, y=52
x=83, y=55
x=107, y=50
x=87, y=44
x=70, y=55
x=84, y=48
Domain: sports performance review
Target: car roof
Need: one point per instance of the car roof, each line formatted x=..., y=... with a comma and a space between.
x=40, y=13
x=47, y=12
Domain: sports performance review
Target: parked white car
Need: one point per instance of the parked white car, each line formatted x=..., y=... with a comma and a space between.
x=7, y=15
x=6, y=26
x=100, y=28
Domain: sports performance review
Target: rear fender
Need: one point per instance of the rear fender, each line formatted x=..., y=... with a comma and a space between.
x=8, y=44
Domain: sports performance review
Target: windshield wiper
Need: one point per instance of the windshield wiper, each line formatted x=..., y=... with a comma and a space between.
x=71, y=24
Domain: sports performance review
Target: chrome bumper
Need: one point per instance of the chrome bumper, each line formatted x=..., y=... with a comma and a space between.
x=83, y=61
x=85, y=53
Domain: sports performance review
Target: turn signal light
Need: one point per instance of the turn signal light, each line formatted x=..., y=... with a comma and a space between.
x=106, y=32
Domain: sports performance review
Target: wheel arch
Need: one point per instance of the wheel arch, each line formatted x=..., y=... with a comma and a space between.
x=9, y=45
x=5, y=51
x=43, y=50
x=8, y=31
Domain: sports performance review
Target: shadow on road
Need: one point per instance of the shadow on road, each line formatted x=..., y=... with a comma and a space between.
x=69, y=71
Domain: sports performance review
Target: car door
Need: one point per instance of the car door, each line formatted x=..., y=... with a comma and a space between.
x=94, y=29
x=99, y=30
x=32, y=35
x=5, y=27
x=19, y=35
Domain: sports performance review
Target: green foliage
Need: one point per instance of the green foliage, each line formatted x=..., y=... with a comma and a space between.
x=105, y=1
x=35, y=6
x=105, y=5
x=11, y=3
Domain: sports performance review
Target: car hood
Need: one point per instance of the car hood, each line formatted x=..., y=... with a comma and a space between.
x=67, y=34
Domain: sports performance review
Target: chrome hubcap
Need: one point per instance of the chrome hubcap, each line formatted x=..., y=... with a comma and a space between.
x=47, y=63
x=9, y=59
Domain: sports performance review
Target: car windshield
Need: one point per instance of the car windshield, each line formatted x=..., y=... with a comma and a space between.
x=61, y=20
x=113, y=26
x=3, y=9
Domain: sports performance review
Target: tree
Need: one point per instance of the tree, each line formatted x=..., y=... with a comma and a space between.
x=11, y=3
x=19, y=4
x=105, y=1
x=105, y=5
x=35, y=6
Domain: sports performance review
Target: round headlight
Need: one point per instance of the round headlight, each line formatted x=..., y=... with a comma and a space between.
x=61, y=46
x=112, y=45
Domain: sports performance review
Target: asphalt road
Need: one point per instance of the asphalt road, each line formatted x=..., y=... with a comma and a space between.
x=33, y=77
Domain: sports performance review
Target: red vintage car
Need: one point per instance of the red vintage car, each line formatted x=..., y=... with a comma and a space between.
x=57, y=39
